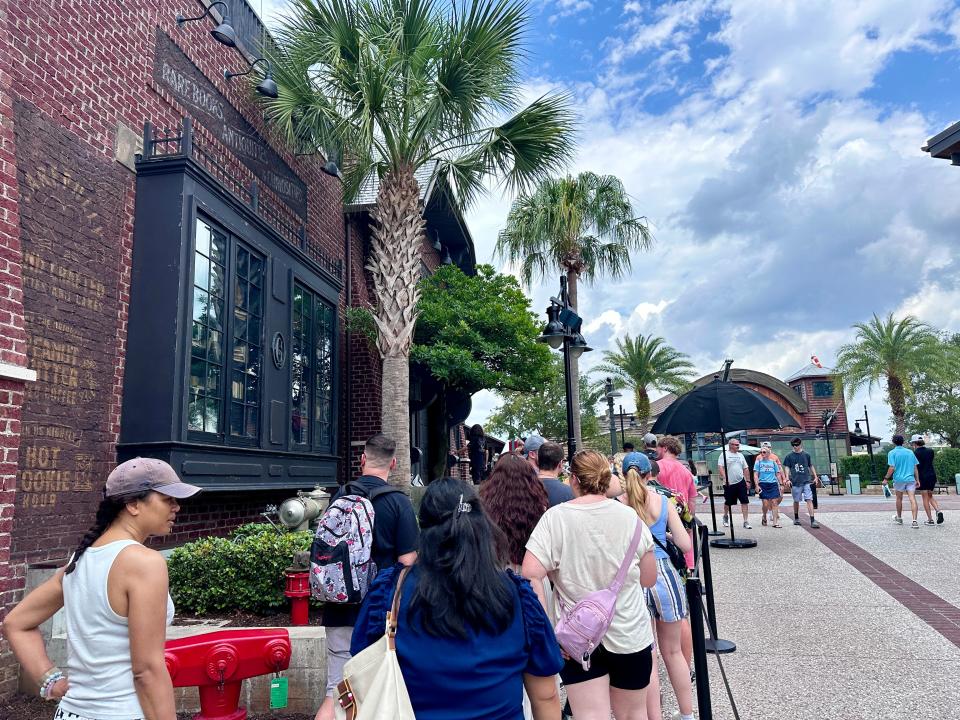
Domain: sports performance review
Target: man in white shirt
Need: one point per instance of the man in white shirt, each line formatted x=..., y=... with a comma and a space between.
x=735, y=483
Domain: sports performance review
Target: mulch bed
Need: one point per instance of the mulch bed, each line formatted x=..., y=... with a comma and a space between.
x=21, y=707
x=238, y=618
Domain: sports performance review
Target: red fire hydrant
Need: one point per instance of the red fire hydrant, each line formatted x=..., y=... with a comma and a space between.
x=298, y=590
x=218, y=662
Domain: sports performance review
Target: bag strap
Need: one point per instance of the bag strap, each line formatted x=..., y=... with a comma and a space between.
x=625, y=565
x=393, y=617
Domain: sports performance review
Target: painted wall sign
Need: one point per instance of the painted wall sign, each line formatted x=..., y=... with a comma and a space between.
x=175, y=72
x=279, y=351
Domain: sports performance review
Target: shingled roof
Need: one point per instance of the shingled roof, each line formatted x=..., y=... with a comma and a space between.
x=367, y=195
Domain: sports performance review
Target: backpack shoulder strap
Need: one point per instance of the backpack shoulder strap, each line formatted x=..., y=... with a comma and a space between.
x=377, y=492
x=631, y=552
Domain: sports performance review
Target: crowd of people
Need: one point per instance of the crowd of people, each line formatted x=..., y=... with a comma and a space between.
x=490, y=573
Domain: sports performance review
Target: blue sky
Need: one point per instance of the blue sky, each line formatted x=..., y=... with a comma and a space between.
x=775, y=147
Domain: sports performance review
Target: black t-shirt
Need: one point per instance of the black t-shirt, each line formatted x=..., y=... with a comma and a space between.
x=798, y=463
x=395, y=533
x=925, y=463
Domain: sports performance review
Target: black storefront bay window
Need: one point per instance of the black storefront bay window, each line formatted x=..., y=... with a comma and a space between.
x=231, y=372
x=311, y=377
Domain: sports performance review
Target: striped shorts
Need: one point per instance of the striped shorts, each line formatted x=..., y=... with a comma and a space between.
x=667, y=599
x=62, y=714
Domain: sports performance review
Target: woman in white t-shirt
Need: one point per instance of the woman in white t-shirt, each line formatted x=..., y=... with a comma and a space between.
x=580, y=545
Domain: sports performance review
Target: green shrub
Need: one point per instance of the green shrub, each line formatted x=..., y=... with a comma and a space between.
x=947, y=464
x=244, y=572
x=860, y=465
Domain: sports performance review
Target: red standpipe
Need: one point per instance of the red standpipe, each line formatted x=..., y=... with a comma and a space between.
x=218, y=662
x=298, y=590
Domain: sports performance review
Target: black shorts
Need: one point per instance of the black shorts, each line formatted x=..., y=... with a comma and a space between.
x=928, y=484
x=736, y=493
x=627, y=672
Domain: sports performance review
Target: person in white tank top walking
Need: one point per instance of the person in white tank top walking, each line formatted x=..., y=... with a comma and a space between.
x=115, y=594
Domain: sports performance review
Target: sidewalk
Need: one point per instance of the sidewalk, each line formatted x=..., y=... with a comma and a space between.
x=820, y=638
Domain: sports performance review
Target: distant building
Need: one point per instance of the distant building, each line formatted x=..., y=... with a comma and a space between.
x=811, y=395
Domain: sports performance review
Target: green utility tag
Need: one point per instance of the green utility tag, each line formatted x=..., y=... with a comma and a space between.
x=278, y=692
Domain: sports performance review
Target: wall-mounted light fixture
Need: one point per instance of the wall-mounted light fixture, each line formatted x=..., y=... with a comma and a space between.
x=266, y=87
x=222, y=33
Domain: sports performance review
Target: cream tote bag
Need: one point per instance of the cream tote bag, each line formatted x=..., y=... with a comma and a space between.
x=372, y=687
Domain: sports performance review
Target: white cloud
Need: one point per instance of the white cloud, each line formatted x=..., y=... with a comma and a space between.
x=784, y=205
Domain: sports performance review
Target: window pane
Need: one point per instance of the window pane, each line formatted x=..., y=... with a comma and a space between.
x=211, y=421
x=256, y=301
x=256, y=270
x=195, y=413
x=215, y=347
x=201, y=302
x=198, y=345
x=239, y=323
x=216, y=280
x=218, y=247
x=236, y=419
x=201, y=271
x=236, y=387
x=243, y=263
x=202, y=239
x=213, y=379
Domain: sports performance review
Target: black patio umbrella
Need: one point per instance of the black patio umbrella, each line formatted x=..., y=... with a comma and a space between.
x=719, y=406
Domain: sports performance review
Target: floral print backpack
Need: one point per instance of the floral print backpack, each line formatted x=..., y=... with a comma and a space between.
x=341, y=565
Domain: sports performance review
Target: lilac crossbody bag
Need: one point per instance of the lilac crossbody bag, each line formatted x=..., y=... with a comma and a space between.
x=582, y=627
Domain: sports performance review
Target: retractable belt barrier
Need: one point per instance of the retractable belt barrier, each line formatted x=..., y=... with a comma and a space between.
x=702, y=617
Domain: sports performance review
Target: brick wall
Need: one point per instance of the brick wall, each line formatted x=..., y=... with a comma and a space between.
x=12, y=347
x=79, y=75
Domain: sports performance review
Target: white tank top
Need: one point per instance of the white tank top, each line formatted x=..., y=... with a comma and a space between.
x=98, y=641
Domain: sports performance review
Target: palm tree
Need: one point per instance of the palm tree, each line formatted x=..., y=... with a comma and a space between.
x=644, y=363
x=396, y=86
x=583, y=225
x=891, y=351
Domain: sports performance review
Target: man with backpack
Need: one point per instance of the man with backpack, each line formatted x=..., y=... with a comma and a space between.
x=343, y=565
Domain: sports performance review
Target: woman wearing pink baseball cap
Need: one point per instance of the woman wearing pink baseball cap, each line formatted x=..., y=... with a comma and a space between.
x=115, y=594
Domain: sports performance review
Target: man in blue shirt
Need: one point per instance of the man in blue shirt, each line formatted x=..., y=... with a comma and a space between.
x=902, y=466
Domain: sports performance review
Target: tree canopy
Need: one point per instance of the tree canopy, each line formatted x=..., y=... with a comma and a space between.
x=935, y=405
x=646, y=362
x=478, y=332
x=891, y=352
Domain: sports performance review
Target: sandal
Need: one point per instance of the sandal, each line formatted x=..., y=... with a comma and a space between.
x=777, y=525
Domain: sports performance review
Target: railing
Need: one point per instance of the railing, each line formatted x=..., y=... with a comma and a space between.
x=186, y=141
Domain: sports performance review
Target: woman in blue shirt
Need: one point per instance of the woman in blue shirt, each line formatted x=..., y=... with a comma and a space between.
x=471, y=636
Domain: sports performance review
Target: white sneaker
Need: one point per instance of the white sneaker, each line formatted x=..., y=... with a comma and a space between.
x=915, y=525
x=898, y=520
x=725, y=521
x=747, y=526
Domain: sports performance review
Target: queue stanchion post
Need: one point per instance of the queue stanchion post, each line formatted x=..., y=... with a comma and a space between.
x=704, y=701
x=713, y=511
x=714, y=643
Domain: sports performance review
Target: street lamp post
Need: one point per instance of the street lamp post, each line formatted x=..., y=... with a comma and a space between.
x=827, y=418
x=623, y=437
x=562, y=332
x=856, y=429
x=612, y=394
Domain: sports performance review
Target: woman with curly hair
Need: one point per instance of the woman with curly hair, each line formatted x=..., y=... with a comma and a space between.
x=515, y=500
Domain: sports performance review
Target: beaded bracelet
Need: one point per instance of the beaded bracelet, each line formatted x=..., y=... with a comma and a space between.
x=49, y=680
x=47, y=674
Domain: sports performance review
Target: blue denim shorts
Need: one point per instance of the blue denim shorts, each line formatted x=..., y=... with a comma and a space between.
x=802, y=492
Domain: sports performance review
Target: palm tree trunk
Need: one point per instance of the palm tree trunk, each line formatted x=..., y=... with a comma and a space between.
x=575, y=363
x=643, y=404
x=897, y=398
x=395, y=267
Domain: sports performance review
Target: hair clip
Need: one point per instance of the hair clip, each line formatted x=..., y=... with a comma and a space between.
x=463, y=507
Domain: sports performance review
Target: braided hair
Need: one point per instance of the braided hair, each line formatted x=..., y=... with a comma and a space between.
x=107, y=512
